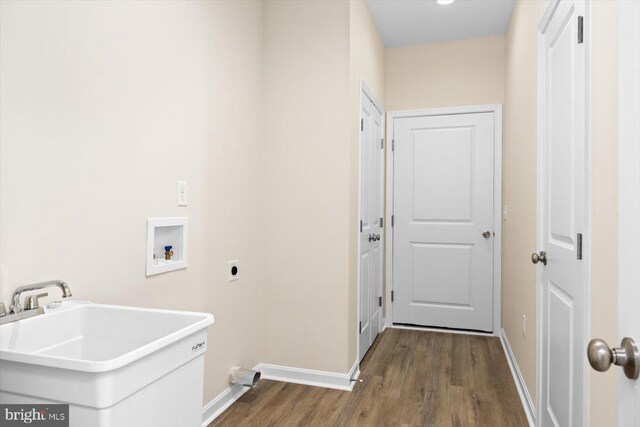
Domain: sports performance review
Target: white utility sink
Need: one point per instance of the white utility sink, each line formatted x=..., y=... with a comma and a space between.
x=115, y=366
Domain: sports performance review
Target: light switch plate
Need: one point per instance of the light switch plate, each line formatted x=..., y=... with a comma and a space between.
x=182, y=193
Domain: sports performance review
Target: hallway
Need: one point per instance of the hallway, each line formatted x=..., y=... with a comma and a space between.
x=410, y=378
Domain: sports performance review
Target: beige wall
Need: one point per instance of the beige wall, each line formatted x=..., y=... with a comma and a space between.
x=367, y=55
x=451, y=74
x=519, y=186
x=104, y=105
x=306, y=184
x=604, y=201
x=246, y=101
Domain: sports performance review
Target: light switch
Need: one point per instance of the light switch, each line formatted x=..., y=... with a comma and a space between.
x=182, y=193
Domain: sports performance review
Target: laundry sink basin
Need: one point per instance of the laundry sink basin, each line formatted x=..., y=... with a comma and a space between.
x=95, y=337
x=113, y=365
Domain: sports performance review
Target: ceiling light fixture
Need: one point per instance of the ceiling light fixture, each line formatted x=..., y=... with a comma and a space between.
x=445, y=2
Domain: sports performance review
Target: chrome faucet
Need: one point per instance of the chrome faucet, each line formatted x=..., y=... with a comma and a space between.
x=17, y=307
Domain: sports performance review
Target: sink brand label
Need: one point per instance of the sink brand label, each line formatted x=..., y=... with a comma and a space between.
x=34, y=415
x=198, y=346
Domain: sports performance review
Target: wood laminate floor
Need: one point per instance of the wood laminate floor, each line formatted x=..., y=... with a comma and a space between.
x=411, y=378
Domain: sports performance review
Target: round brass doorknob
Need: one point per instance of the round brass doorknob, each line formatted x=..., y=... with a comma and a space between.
x=601, y=357
x=541, y=257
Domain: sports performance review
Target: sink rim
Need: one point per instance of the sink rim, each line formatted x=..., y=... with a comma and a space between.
x=127, y=358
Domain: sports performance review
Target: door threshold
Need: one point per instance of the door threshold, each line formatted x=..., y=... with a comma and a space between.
x=441, y=329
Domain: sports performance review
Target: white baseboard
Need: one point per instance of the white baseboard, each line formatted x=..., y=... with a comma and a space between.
x=288, y=374
x=221, y=402
x=310, y=377
x=525, y=397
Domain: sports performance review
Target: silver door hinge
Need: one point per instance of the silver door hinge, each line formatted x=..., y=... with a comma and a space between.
x=393, y=145
x=361, y=226
x=382, y=143
x=361, y=125
x=579, y=249
x=580, y=29
x=379, y=301
x=381, y=222
x=360, y=326
x=393, y=220
x=392, y=296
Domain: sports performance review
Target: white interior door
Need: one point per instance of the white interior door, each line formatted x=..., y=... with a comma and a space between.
x=443, y=221
x=371, y=208
x=629, y=203
x=561, y=218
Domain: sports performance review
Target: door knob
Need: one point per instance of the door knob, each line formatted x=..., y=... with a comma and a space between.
x=372, y=237
x=627, y=356
x=542, y=257
x=486, y=234
x=377, y=237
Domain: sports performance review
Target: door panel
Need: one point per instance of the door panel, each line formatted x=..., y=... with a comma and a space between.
x=376, y=287
x=443, y=156
x=559, y=344
x=377, y=209
x=365, y=297
x=561, y=217
x=448, y=265
x=443, y=202
x=371, y=200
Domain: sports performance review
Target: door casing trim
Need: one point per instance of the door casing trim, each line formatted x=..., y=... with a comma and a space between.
x=496, y=109
x=628, y=206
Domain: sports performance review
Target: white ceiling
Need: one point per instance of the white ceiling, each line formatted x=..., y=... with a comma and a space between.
x=411, y=22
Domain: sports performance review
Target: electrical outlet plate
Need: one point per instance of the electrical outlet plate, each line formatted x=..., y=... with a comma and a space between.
x=234, y=270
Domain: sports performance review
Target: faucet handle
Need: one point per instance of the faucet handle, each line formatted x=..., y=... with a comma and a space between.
x=32, y=302
x=3, y=310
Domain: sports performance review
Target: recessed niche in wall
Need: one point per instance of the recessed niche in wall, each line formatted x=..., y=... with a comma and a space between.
x=166, y=244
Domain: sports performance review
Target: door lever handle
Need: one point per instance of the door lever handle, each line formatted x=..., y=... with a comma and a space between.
x=372, y=237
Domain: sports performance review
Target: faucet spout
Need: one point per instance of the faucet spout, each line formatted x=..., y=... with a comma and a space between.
x=17, y=307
